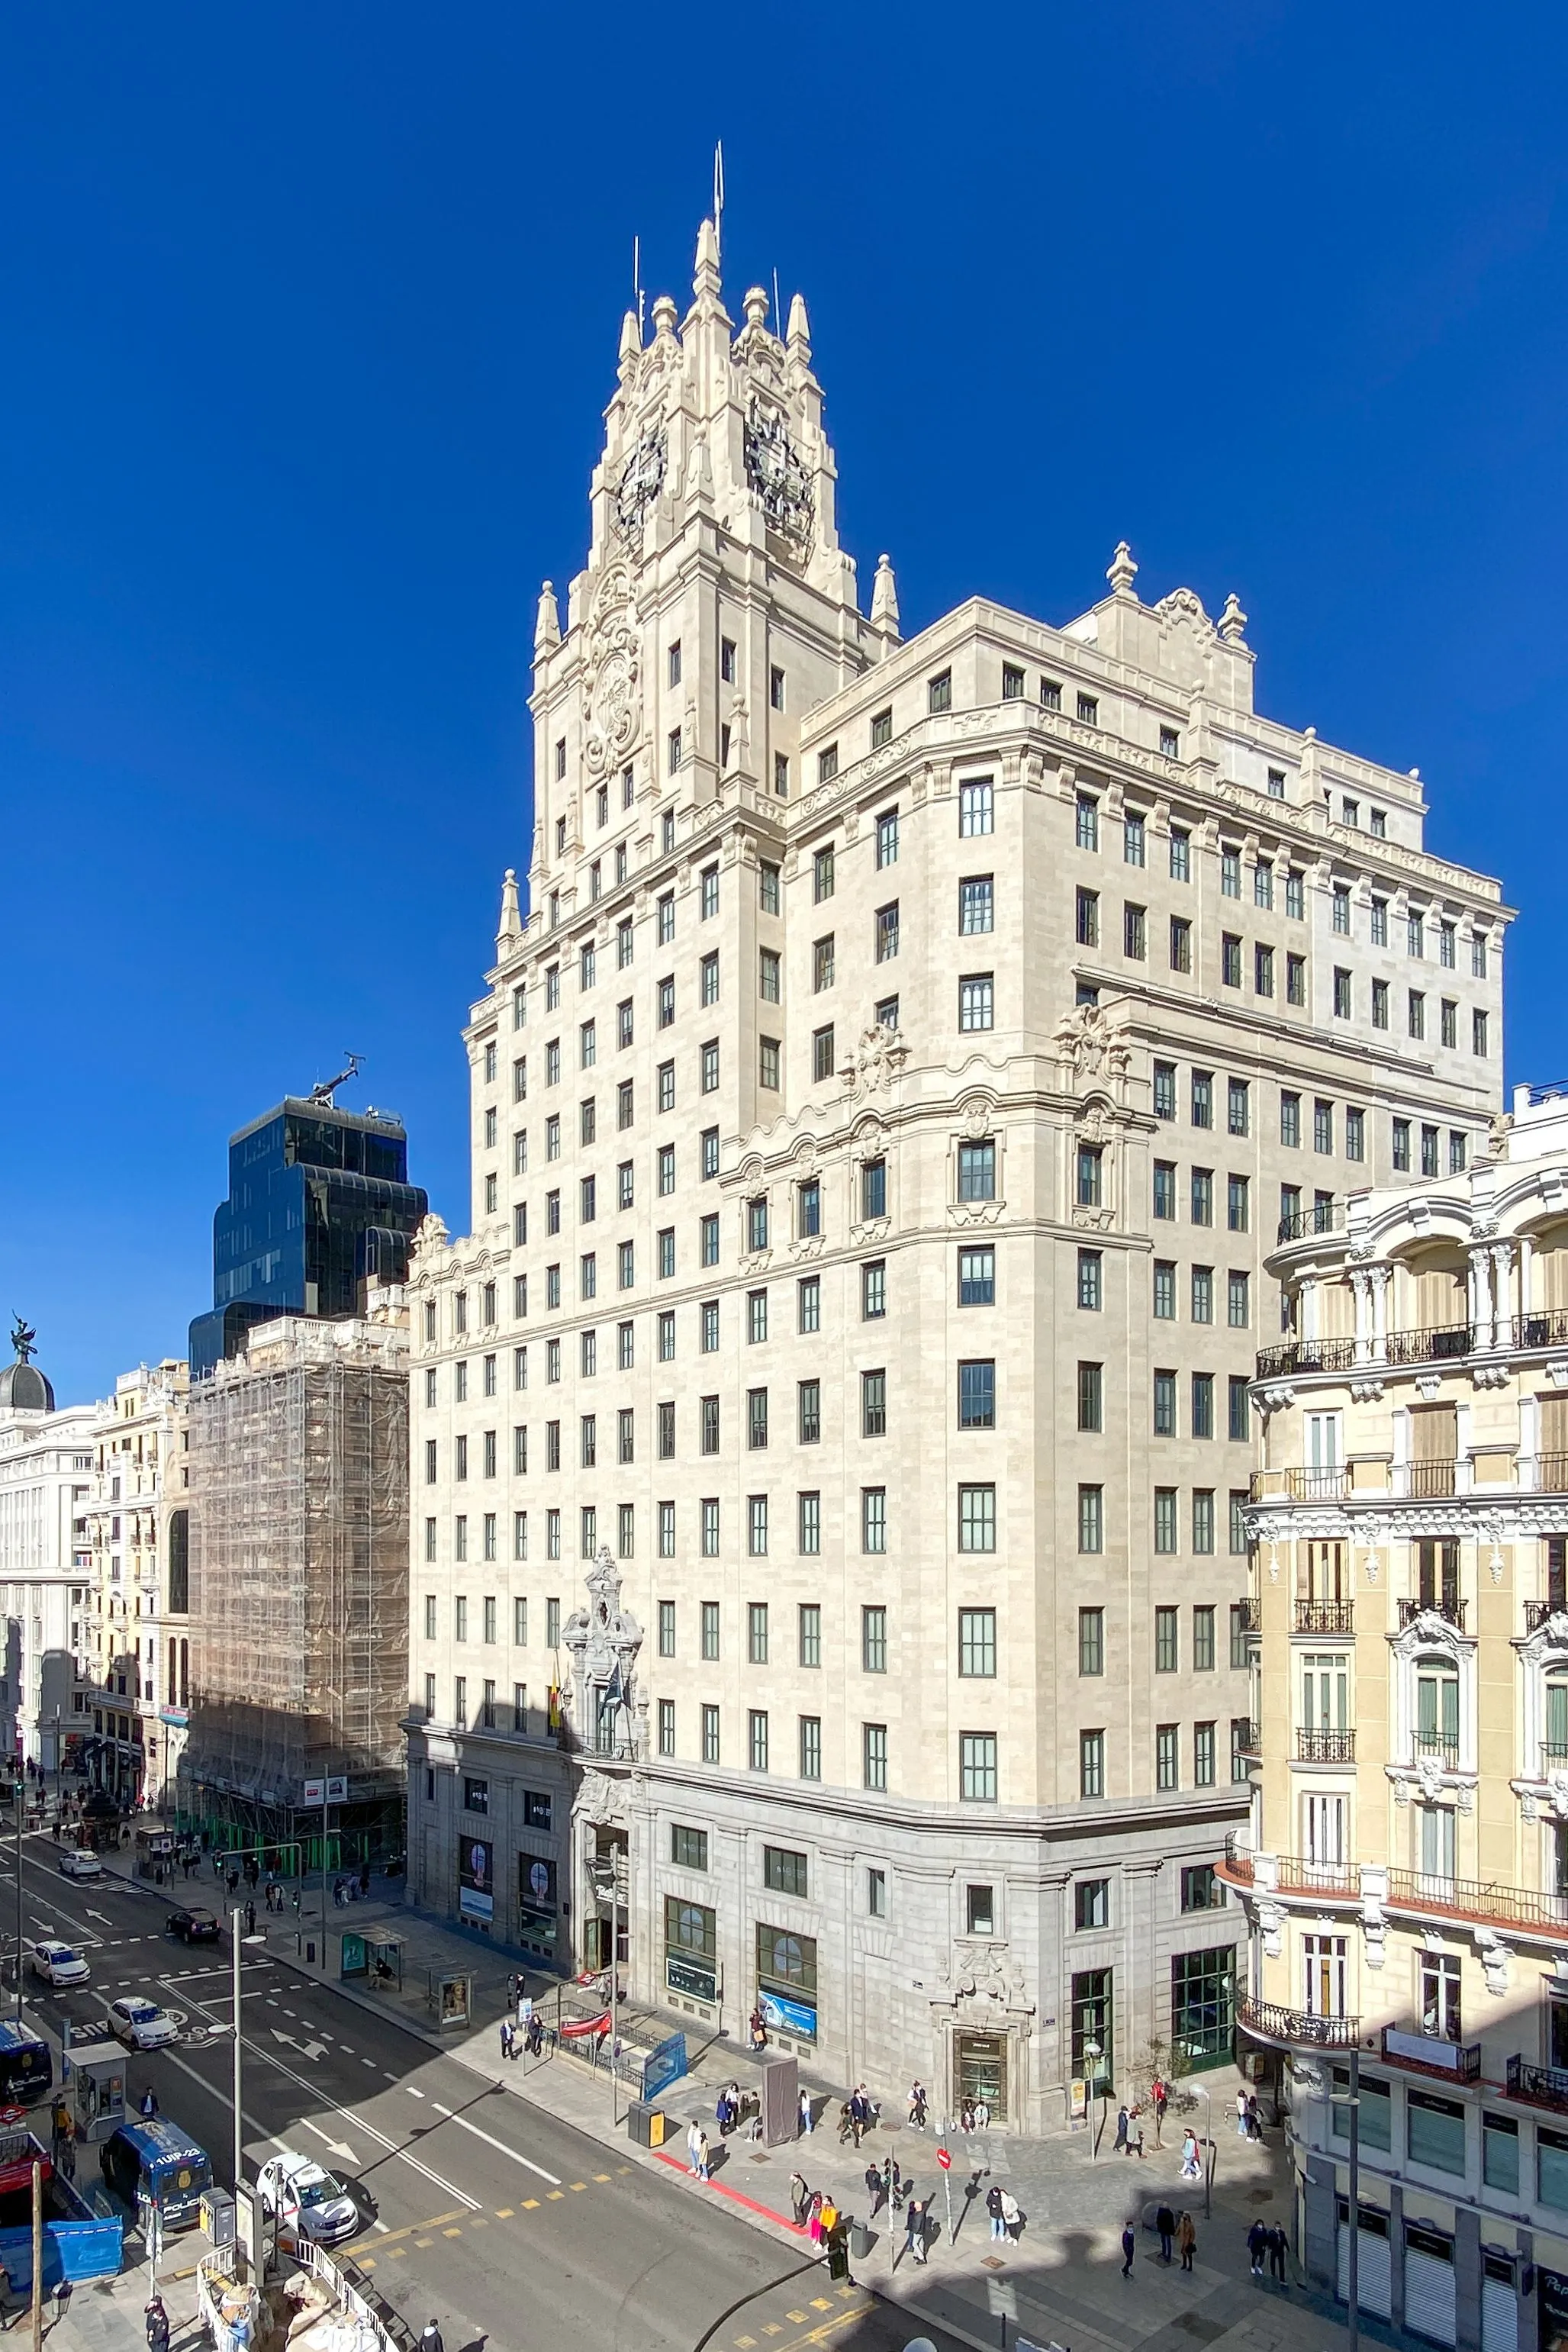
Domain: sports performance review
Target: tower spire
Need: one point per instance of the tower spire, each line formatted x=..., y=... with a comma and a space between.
x=718, y=199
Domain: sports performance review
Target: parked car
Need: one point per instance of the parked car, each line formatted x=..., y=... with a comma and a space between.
x=312, y=2202
x=57, y=1964
x=193, y=1926
x=140, y=2023
x=76, y=1862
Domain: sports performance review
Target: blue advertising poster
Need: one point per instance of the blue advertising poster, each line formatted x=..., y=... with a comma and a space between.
x=781, y=2016
x=664, y=2066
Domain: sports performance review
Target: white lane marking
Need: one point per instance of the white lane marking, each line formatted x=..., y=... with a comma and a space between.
x=411, y=2092
x=454, y=2117
x=339, y=2147
x=383, y=2227
x=311, y=2049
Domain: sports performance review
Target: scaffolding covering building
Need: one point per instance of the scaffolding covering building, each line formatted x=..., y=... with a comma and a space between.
x=300, y=1555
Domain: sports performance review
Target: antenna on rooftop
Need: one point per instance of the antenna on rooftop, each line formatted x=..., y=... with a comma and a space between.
x=718, y=196
x=323, y=1092
x=637, y=280
x=775, y=301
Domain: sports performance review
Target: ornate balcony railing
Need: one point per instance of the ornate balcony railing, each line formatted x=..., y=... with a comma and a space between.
x=1543, y=2086
x=1431, y=1481
x=1536, y=1613
x=1450, y=1611
x=1553, y=1756
x=1439, y=1343
x=1325, y=1616
x=1244, y=1737
x=1326, y=1747
x=1300, y=1485
x=1299, y=1874
x=1271, y=2023
x=1305, y=1356
x=1440, y=1744
x=1322, y=1217
x=1251, y=1619
x=1552, y=1474
x=1469, y=1898
x=1545, y=1330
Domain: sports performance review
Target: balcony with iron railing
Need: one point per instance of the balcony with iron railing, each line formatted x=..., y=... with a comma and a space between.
x=1446, y=1606
x=1553, y=1757
x=1438, y=1343
x=1250, y=1614
x=1538, y=2086
x=1245, y=1739
x=1441, y=1746
x=1416, y=1894
x=1536, y=1613
x=1268, y=2022
x=1319, y=1747
x=1325, y=1616
x=1322, y=1217
x=1301, y=1485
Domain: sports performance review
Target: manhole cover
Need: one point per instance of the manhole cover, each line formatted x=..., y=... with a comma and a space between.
x=1201, y=2330
x=992, y=2263
x=1260, y=2197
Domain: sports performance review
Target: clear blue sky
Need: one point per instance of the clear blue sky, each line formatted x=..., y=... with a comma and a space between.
x=309, y=317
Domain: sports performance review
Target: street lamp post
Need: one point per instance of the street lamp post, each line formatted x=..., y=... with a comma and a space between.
x=1092, y=2052
x=1212, y=2158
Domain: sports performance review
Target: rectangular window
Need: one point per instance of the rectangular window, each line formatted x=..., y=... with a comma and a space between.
x=978, y=1278
x=1417, y=1013
x=822, y=1056
x=1203, y=1653
x=810, y=1524
x=978, y=1766
x=976, y=814
x=1202, y=1755
x=666, y=1531
x=1091, y=1765
x=1230, y=959
x=1088, y=919
x=1090, y=1397
x=1202, y=1196
x=874, y=1290
x=975, y=904
x=873, y=1405
x=1134, y=932
x=1401, y=1145
x=1091, y=1519
x=1167, y=1743
x=1090, y=1175
x=1165, y=1301
x=873, y=1640
x=874, y=1755
x=1238, y=1204
x=976, y=1004
x=977, y=1642
x=1164, y=1404
x=939, y=692
x=1202, y=1520
x=1090, y=1285
x=1238, y=1427
x=809, y=1633
x=1478, y=1034
x=1380, y=1004
x=874, y=1519
x=1166, y=1509
x=977, y=1393
x=1203, y=1404
x=886, y=932
x=1091, y=1904
x=978, y=1170
x=1167, y=1641
x=1180, y=855
x=977, y=1518
x=808, y=1303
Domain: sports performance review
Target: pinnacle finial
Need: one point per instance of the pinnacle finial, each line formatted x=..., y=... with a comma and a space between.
x=631, y=340
x=706, y=279
x=1233, y=620
x=664, y=314
x=884, y=597
x=755, y=306
x=799, y=335
x=547, y=628
x=1122, y=570
x=510, y=927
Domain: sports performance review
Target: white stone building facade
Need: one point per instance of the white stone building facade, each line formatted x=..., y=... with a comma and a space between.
x=45, y=1481
x=137, y=1704
x=878, y=1124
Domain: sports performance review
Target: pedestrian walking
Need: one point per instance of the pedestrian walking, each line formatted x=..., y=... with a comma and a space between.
x=156, y=2321
x=874, y=2189
x=994, y=2208
x=800, y=2198
x=1190, y=2167
x=1278, y=2247
x=1256, y=2247
x=149, y=2105
x=693, y=2147
x=703, y=2156
x=914, y=2228
x=506, y=2037
x=814, y=2217
x=1242, y=2112
x=1123, y=2121
x=1254, y=2119
x=1158, y=2100
x=1129, y=2248
x=1186, y=2241
x=250, y=1918
x=759, y=2030
x=917, y=2105
x=430, y=2341
x=1164, y=2222
x=805, y=2114
x=1136, y=2144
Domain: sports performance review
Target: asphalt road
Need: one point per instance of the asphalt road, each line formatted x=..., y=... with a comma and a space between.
x=484, y=2211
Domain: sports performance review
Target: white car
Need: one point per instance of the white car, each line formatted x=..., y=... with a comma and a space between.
x=57, y=1964
x=308, y=2199
x=140, y=2024
x=76, y=1862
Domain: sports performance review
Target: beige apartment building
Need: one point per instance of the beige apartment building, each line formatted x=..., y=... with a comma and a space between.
x=1405, y=1874
x=135, y=1707
x=830, y=1442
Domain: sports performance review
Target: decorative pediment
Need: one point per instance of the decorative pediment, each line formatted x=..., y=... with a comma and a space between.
x=878, y=1055
x=1088, y=1047
x=1426, y=1632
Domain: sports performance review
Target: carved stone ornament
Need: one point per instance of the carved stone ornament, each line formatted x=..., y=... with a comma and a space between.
x=878, y=1056
x=1557, y=1794
x=1271, y=1924
x=1089, y=1047
x=611, y=673
x=985, y=1971
x=603, y=1642
x=604, y=1800
x=1495, y=1955
x=776, y=475
x=431, y=1238
x=1375, y=1934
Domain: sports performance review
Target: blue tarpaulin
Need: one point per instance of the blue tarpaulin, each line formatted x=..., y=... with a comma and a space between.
x=72, y=2250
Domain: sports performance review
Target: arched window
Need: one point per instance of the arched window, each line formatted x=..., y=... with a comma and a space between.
x=1437, y=1710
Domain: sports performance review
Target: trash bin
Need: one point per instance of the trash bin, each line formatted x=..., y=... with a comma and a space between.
x=645, y=2124
x=861, y=2241
x=217, y=2212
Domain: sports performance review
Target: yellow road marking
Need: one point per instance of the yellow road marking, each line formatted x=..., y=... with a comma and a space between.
x=451, y=2233
x=601, y=2176
x=504, y=2212
x=819, y=2302
x=479, y=2222
x=398, y=2254
x=577, y=2185
x=531, y=2204
x=554, y=2197
x=389, y=2237
x=424, y=2242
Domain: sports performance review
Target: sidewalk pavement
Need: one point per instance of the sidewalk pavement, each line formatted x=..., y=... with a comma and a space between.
x=1062, y=2280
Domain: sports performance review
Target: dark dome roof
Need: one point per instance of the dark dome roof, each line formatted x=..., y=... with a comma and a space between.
x=25, y=1389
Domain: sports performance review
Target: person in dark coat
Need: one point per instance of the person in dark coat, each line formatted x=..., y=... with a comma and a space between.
x=1256, y=2247
x=1129, y=2248
x=1164, y=2222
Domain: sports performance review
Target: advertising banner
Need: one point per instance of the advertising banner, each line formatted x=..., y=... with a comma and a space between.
x=476, y=1880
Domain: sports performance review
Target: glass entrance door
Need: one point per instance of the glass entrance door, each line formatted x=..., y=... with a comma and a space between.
x=983, y=2072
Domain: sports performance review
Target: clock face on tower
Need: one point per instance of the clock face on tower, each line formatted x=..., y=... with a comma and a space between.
x=642, y=479
x=777, y=475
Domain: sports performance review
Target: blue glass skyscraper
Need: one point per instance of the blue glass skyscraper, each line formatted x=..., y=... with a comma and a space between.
x=318, y=1203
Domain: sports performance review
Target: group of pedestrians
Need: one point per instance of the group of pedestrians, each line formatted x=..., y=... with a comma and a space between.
x=1271, y=2245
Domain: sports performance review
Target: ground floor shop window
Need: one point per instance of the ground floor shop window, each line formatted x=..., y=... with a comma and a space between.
x=1093, y=2022
x=1203, y=2003
x=1377, y=2109
x=786, y=1981
x=691, y=1950
x=537, y=1909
